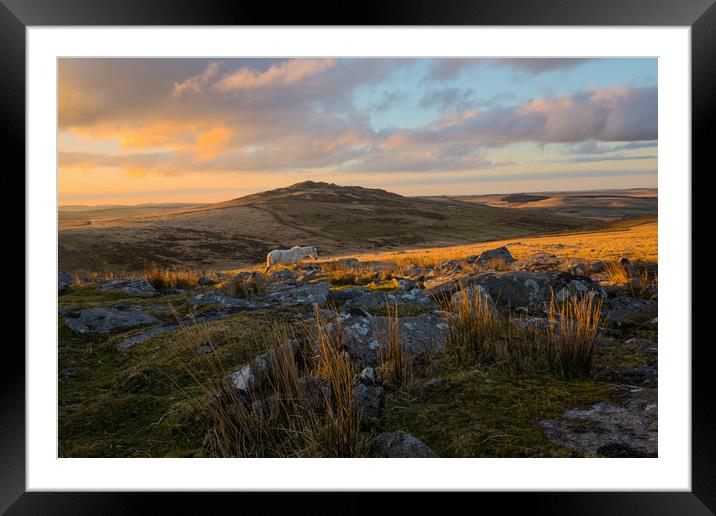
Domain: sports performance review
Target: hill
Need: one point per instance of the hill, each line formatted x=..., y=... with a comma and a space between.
x=336, y=219
x=597, y=205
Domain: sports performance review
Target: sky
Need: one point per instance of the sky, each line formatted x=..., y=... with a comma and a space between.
x=158, y=130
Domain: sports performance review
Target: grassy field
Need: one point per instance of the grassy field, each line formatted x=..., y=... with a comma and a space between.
x=142, y=403
x=337, y=220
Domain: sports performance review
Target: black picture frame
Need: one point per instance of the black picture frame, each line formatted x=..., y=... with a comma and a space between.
x=700, y=15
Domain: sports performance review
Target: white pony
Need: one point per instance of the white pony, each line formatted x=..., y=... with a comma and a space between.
x=290, y=256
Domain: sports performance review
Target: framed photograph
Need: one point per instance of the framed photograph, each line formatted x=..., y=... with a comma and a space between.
x=301, y=257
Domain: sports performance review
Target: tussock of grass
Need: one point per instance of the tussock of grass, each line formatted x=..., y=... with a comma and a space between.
x=305, y=407
x=162, y=278
x=473, y=328
x=346, y=275
x=639, y=281
x=395, y=363
x=572, y=335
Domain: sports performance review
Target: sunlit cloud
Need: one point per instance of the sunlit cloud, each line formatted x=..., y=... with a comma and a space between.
x=310, y=118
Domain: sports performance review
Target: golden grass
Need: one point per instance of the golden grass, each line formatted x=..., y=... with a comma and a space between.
x=285, y=416
x=395, y=363
x=639, y=282
x=342, y=416
x=162, y=278
x=473, y=328
x=572, y=335
x=638, y=241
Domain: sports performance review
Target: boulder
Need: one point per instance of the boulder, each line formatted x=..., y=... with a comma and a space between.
x=251, y=375
x=256, y=372
x=540, y=261
x=364, y=334
x=283, y=275
x=344, y=294
x=368, y=395
x=534, y=289
x=106, y=319
x=471, y=258
x=135, y=287
x=379, y=301
x=608, y=429
x=399, y=445
x=214, y=298
x=298, y=294
x=470, y=292
x=501, y=254
x=65, y=280
x=631, y=310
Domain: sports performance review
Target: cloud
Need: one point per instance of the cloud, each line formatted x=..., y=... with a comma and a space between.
x=269, y=115
x=285, y=74
x=197, y=83
x=451, y=68
x=593, y=147
x=456, y=99
x=612, y=114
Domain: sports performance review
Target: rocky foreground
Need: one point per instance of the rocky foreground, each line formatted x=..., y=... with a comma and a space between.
x=357, y=297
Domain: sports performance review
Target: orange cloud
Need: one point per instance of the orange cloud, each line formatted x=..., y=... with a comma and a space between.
x=210, y=143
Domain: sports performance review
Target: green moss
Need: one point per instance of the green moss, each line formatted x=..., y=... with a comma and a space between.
x=489, y=412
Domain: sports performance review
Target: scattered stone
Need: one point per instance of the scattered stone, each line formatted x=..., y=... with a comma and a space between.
x=283, y=275
x=299, y=294
x=580, y=269
x=65, y=280
x=317, y=390
x=251, y=375
x=207, y=316
x=433, y=382
x=644, y=376
x=135, y=287
x=205, y=348
x=470, y=292
x=471, y=258
x=643, y=345
x=344, y=294
x=364, y=334
x=399, y=445
x=379, y=301
x=258, y=370
x=67, y=373
x=608, y=429
x=540, y=261
x=368, y=395
x=534, y=289
x=106, y=319
x=501, y=254
x=630, y=310
x=214, y=298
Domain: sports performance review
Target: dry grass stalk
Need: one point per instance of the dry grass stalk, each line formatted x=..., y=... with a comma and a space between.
x=162, y=278
x=572, y=335
x=395, y=363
